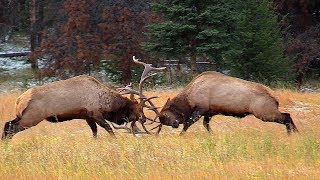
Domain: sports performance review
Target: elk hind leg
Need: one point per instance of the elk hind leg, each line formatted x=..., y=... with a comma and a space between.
x=278, y=117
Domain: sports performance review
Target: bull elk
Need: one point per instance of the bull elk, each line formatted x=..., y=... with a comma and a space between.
x=81, y=97
x=213, y=93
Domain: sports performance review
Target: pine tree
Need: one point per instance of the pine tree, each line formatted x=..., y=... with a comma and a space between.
x=257, y=51
x=191, y=29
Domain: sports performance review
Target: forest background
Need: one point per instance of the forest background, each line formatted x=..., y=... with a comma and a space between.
x=273, y=42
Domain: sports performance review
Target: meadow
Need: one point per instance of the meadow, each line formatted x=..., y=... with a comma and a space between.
x=237, y=148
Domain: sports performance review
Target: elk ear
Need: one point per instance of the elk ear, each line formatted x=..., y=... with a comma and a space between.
x=166, y=104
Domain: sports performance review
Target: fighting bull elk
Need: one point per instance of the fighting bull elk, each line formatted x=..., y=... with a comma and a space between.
x=81, y=97
x=212, y=93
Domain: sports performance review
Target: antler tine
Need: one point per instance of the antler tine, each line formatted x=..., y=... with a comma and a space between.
x=149, y=66
x=122, y=127
x=145, y=99
x=147, y=69
x=128, y=90
x=151, y=120
x=158, y=131
x=151, y=108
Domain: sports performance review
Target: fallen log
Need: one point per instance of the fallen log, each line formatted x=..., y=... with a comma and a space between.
x=14, y=54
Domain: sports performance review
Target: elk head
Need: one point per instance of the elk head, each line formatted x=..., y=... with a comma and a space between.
x=170, y=117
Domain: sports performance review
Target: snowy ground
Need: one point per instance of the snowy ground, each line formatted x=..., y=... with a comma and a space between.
x=18, y=44
x=14, y=71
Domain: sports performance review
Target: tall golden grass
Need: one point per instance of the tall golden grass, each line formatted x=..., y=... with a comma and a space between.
x=237, y=148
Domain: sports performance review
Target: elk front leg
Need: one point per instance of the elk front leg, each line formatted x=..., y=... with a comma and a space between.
x=93, y=127
x=98, y=118
x=134, y=127
x=206, y=121
x=188, y=122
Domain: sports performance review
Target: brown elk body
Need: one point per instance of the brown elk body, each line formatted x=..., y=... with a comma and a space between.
x=213, y=93
x=81, y=97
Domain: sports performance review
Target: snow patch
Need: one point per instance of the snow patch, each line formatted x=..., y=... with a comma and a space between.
x=11, y=63
x=299, y=107
x=14, y=62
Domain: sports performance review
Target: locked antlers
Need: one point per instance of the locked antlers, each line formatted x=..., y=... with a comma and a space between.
x=143, y=99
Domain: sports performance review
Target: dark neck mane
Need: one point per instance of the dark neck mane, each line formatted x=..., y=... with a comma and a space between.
x=180, y=105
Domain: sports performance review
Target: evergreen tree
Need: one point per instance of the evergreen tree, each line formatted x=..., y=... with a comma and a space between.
x=257, y=52
x=191, y=28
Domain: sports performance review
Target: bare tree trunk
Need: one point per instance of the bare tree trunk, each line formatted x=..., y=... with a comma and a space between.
x=194, y=67
x=39, y=22
x=126, y=72
x=298, y=80
x=33, y=33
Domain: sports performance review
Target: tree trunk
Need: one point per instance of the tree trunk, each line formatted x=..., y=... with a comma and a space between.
x=33, y=33
x=39, y=22
x=126, y=72
x=194, y=67
x=298, y=80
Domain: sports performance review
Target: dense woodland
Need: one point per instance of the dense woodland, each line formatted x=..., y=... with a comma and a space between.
x=260, y=40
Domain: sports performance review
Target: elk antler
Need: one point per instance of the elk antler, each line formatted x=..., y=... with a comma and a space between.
x=143, y=99
x=134, y=129
x=145, y=75
x=147, y=69
x=122, y=127
x=128, y=90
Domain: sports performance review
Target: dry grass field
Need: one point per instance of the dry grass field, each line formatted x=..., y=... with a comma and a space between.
x=237, y=148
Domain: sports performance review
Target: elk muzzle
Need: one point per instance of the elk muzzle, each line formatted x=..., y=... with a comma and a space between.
x=165, y=120
x=175, y=124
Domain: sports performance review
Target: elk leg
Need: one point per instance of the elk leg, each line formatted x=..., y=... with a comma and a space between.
x=188, y=122
x=281, y=118
x=135, y=128
x=101, y=122
x=93, y=127
x=206, y=121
